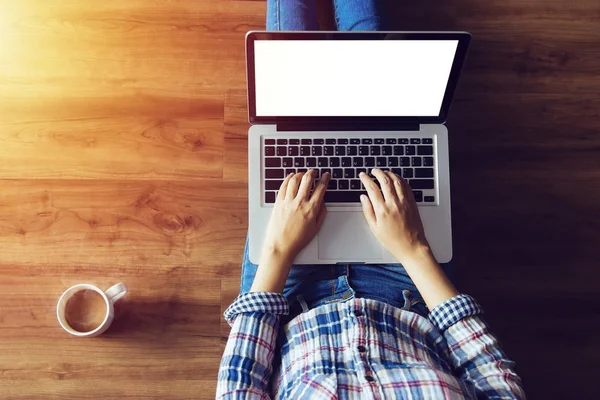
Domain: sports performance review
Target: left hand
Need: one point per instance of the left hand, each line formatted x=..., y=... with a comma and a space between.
x=297, y=215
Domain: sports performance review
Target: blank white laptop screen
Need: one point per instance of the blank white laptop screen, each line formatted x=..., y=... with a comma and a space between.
x=331, y=78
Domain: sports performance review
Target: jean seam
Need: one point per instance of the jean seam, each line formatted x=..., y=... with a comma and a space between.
x=335, y=14
x=277, y=15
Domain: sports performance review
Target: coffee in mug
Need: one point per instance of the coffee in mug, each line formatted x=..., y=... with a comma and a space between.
x=86, y=311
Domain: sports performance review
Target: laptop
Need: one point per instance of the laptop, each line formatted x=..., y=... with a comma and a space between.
x=346, y=102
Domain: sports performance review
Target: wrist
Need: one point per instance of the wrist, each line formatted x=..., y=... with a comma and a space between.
x=276, y=257
x=418, y=255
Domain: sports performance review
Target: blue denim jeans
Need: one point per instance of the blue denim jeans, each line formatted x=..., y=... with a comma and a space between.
x=309, y=286
x=350, y=15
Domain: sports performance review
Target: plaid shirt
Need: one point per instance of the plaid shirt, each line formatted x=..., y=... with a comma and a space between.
x=362, y=349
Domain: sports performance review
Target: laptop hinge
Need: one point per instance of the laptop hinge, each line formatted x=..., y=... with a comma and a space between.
x=343, y=126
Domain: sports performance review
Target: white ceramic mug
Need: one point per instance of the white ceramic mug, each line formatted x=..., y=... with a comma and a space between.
x=111, y=296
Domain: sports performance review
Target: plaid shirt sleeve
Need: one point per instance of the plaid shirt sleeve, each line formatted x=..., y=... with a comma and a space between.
x=247, y=363
x=474, y=352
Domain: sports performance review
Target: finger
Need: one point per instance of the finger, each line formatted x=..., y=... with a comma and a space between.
x=374, y=193
x=367, y=208
x=321, y=216
x=386, y=184
x=306, y=184
x=283, y=188
x=320, y=189
x=397, y=183
x=293, y=184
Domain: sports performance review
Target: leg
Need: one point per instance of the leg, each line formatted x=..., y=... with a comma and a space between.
x=360, y=15
x=292, y=15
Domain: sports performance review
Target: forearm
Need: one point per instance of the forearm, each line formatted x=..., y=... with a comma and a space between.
x=272, y=273
x=429, y=278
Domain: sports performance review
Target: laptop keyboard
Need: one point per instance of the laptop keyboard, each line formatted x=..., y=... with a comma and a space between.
x=345, y=159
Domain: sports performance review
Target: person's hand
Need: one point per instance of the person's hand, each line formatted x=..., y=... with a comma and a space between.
x=297, y=215
x=392, y=215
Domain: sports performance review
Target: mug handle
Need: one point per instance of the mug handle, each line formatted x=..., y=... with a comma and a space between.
x=116, y=292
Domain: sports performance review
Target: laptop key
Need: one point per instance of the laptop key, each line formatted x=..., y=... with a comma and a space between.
x=290, y=171
x=398, y=150
x=337, y=173
x=379, y=141
x=328, y=150
x=322, y=162
x=359, y=170
x=416, y=161
x=274, y=173
x=357, y=162
x=369, y=161
x=367, y=141
x=294, y=141
x=342, y=141
x=273, y=185
x=348, y=173
x=323, y=171
x=390, y=141
x=427, y=141
x=287, y=162
x=329, y=141
x=375, y=150
x=355, y=184
x=346, y=162
x=332, y=185
x=269, y=141
x=269, y=151
x=397, y=171
x=392, y=161
x=415, y=141
x=402, y=141
x=343, y=184
x=423, y=172
x=405, y=161
x=386, y=150
x=311, y=162
x=410, y=150
x=363, y=150
x=317, y=151
x=418, y=196
x=302, y=170
x=305, y=151
x=407, y=173
x=272, y=162
x=281, y=151
x=421, y=183
x=281, y=141
x=340, y=151
x=306, y=141
x=318, y=141
x=425, y=150
x=381, y=162
x=429, y=199
x=293, y=151
x=428, y=161
x=334, y=162
x=298, y=162
x=343, y=197
x=352, y=150
x=270, y=197
x=354, y=141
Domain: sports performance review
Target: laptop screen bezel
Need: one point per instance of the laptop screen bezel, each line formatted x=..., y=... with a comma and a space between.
x=463, y=39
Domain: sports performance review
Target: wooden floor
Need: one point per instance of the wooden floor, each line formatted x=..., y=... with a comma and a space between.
x=123, y=158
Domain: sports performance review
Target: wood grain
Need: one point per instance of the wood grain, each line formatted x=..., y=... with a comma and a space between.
x=123, y=157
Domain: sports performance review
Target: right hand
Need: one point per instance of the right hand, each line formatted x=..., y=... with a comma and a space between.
x=393, y=216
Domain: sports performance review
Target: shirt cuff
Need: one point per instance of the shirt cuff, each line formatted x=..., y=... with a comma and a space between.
x=257, y=302
x=453, y=310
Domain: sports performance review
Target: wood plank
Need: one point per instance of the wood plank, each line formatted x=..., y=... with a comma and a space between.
x=230, y=288
x=164, y=336
x=199, y=225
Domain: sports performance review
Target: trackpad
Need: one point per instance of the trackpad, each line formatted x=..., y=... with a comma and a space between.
x=345, y=236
